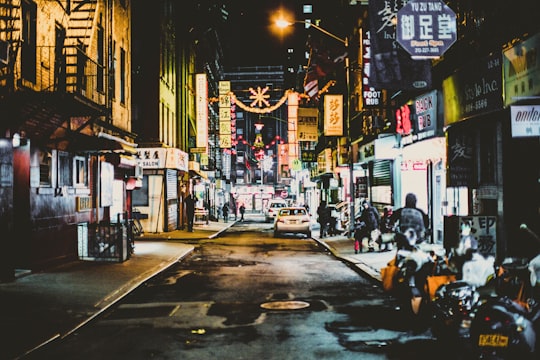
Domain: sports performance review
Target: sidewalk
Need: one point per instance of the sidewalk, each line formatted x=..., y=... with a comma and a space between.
x=369, y=262
x=38, y=308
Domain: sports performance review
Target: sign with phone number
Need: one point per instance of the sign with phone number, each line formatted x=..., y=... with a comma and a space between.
x=426, y=29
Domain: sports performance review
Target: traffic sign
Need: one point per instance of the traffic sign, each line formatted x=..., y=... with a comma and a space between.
x=426, y=29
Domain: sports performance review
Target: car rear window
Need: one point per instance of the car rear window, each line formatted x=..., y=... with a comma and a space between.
x=292, y=212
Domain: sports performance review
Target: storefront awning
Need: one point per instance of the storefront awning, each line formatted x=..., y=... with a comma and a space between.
x=195, y=170
x=101, y=143
x=198, y=173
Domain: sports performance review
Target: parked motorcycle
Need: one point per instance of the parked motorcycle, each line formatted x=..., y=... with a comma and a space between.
x=409, y=289
x=455, y=303
x=452, y=311
x=507, y=326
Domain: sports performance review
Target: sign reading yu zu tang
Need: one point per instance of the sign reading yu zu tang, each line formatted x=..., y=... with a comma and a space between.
x=426, y=29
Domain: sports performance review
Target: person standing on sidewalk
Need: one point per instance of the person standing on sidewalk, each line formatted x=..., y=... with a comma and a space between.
x=323, y=217
x=242, y=212
x=190, y=201
x=371, y=219
x=387, y=227
x=225, y=212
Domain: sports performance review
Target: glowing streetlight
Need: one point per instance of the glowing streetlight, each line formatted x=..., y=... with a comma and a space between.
x=282, y=23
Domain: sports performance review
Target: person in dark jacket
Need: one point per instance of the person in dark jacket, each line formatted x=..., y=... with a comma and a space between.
x=242, y=212
x=387, y=227
x=323, y=213
x=225, y=211
x=190, y=201
x=371, y=221
x=412, y=223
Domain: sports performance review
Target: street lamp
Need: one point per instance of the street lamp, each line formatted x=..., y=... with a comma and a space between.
x=282, y=23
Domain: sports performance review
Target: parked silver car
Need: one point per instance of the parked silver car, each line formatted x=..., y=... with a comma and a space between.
x=272, y=209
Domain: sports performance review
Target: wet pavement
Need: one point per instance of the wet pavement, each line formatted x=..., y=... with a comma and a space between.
x=37, y=308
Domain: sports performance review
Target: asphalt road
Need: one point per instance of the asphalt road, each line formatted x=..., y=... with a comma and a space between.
x=247, y=295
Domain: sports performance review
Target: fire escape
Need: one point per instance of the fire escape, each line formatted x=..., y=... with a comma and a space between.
x=56, y=94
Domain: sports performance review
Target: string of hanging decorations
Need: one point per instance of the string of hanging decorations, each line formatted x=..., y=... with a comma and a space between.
x=277, y=140
x=260, y=98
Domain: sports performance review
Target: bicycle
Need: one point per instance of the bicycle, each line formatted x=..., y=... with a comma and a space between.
x=136, y=225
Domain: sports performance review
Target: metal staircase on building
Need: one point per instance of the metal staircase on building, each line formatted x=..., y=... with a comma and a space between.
x=82, y=14
x=9, y=40
x=78, y=38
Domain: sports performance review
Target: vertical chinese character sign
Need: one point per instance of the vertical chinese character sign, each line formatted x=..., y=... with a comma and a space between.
x=201, y=96
x=292, y=123
x=333, y=115
x=390, y=66
x=224, y=115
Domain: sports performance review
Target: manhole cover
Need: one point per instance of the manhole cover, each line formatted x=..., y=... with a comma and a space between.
x=285, y=305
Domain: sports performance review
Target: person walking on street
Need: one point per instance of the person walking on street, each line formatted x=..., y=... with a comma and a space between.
x=225, y=212
x=234, y=209
x=190, y=201
x=371, y=219
x=323, y=217
x=242, y=212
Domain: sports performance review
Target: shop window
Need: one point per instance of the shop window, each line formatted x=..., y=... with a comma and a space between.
x=80, y=174
x=140, y=196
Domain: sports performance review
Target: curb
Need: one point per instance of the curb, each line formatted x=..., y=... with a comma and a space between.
x=360, y=265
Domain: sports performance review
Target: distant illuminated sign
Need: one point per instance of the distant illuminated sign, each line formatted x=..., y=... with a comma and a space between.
x=307, y=124
x=525, y=120
x=201, y=95
x=333, y=115
x=403, y=120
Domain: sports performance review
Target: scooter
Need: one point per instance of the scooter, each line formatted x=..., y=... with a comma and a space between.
x=410, y=278
x=455, y=303
x=507, y=326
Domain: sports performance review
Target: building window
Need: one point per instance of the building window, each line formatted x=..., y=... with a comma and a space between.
x=100, y=58
x=81, y=171
x=308, y=8
x=122, y=76
x=45, y=162
x=28, y=40
x=112, y=76
x=65, y=169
